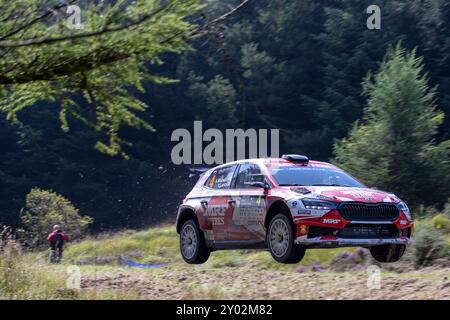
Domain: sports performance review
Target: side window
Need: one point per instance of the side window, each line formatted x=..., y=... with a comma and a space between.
x=248, y=172
x=221, y=178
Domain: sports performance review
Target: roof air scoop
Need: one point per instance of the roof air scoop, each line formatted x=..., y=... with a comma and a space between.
x=296, y=158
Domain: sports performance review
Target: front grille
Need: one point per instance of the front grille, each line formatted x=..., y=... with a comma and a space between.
x=371, y=212
x=369, y=231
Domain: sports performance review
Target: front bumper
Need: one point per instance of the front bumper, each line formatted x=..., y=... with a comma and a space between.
x=332, y=242
x=332, y=230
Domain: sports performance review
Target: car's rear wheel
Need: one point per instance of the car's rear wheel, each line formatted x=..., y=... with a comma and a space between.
x=192, y=243
x=281, y=240
x=388, y=252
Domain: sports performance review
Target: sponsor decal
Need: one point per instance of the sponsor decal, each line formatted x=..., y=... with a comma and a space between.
x=216, y=214
x=258, y=202
x=323, y=197
x=211, y=183
x=303, y=229
x=368, y=196
x=302, y=212
x=209, y=235
x=343, y=199
x=249, y=212
x=331, y=221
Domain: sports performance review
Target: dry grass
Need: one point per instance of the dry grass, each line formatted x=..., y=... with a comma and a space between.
x=30, y=276
x=241, y=274
x=160, y=244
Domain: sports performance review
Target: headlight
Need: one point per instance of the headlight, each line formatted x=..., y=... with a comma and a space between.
x=402, y=206
x=314, y=204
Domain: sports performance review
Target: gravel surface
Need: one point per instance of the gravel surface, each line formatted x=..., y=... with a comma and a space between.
x=250, y=283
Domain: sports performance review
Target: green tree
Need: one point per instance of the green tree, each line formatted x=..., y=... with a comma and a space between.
x=44, y=209
x=350, y=50
x=270, y=60
x=220, y=98
x=44, y=60
x=435, y=30
x=392, y=147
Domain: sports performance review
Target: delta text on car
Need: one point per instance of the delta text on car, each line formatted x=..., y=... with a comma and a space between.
x=287, y=205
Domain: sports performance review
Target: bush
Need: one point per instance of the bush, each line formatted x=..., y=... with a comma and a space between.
x=44, y=209
x=428, y=244
x=441, y=222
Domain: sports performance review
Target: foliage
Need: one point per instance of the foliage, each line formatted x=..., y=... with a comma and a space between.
x=44, y=209
x=90, y=73
x=21, y=280
x=296, y=65
x=429, y=244
x=441, y=222
x=393, y=147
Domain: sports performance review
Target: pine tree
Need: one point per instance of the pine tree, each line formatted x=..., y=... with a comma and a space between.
x=393, y=147
x=435, y=30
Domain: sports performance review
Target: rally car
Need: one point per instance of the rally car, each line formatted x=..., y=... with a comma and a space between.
x=287, y=205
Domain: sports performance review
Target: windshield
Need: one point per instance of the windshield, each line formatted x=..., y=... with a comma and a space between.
x=313, y=176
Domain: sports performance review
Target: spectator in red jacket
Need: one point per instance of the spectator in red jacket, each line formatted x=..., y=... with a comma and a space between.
x=57, y=238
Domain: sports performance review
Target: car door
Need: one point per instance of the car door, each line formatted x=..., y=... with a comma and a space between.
x=247, y=223
x=218, y=207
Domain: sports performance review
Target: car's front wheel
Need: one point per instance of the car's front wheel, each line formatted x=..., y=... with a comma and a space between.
x=281, y=240
x=192, y=243
x=388, y=252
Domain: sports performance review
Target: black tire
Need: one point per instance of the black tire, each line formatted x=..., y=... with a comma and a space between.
x=286, y=250
x=388, y=252
x=197, y=252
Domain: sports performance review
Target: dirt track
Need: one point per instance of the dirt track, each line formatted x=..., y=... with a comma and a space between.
x=248, y=283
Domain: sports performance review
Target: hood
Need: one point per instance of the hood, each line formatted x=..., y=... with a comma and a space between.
x=341, y=194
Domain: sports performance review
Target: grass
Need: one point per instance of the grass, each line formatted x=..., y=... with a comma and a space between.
x=152, y=246
x=160, y=244
x=29, y=276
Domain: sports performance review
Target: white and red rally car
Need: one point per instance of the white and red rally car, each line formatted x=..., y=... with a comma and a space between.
x=287, y=205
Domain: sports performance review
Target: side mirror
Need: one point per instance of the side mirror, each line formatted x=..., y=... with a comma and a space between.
x=260, y=184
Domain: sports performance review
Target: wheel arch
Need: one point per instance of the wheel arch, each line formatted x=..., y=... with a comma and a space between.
x=185, y=215
x=278, y=206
